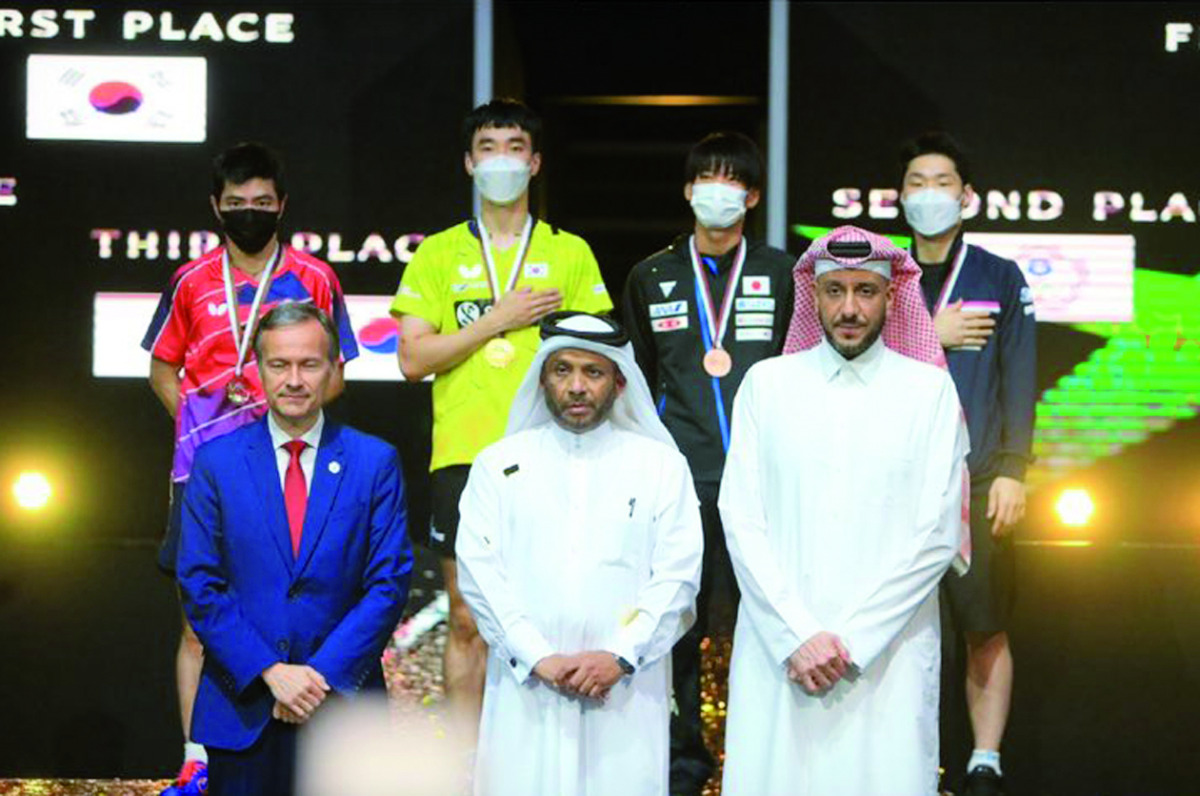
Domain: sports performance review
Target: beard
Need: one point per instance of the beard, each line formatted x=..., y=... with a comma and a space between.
x=600, y=411
x=852, y=350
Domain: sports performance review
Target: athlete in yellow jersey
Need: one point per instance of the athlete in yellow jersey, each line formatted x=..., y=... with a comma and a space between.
x=468, y=306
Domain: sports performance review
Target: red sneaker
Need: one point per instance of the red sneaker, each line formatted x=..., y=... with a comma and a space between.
x=192, y=780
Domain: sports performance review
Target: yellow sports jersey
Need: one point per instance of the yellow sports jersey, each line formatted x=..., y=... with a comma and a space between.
x=446, y=284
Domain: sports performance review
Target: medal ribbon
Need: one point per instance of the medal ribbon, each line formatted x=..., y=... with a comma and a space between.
x=951, y=279
x=712, y=331
x=718, y=324
x=485, y=242
x=243, y=342
x=718, y=397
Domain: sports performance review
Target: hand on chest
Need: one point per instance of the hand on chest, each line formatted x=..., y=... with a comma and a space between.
x=474, y=289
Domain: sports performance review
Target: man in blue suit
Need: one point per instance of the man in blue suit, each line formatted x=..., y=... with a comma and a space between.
x=294, y=563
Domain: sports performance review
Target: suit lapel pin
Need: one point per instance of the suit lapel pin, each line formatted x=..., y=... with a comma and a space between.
x=335, y=468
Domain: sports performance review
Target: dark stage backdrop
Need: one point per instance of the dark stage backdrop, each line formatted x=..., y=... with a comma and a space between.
x=1082, y=147
x=1079, y=132
x=1081, y=123
x=364, y=102
x=1082, y=144
x=1080, y=139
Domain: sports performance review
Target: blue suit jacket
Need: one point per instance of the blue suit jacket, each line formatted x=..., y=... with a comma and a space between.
x=253, y=603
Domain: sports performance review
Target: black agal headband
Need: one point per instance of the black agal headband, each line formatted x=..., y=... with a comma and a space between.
x=553, y=326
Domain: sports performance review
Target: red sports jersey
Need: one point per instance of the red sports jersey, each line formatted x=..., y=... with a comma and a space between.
x=191, y=329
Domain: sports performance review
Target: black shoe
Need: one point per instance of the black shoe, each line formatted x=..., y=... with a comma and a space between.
x=687, y=786
x=983, y=781
x=690, y=770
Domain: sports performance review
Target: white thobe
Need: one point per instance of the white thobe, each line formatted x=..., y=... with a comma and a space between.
x=570, y=543
x=842, y=506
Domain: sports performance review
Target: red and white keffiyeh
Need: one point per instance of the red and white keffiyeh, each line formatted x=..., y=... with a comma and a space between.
x=908, y=329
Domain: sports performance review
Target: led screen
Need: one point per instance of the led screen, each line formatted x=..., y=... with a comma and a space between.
x=117, y=98
x=119, y=321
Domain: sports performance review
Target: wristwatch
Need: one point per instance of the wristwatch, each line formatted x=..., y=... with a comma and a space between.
x=626, y=666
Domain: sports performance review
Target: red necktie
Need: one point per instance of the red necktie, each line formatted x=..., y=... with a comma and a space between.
x=295, y=492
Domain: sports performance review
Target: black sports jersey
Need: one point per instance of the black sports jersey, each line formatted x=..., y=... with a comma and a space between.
x=662, y=313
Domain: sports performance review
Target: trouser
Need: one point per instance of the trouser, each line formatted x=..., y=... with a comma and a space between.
x=716, y=609
x=266, y=768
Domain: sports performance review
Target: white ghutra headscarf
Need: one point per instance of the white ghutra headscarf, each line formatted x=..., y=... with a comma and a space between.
x=634, y=407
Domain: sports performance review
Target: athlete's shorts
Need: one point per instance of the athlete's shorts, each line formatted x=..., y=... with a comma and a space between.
x=982, y=600
x=168, y=550
x=446, y=486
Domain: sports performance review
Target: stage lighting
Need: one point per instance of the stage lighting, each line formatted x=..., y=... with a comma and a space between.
x=1075, y=507
x=32, y=490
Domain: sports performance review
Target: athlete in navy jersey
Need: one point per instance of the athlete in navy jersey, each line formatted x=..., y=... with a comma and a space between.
x=984, y=314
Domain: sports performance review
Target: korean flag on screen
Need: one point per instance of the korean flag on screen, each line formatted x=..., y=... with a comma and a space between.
x=116, y=98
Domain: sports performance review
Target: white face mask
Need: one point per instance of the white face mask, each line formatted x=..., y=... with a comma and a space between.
x=931, y=211
x=717, y=205
x=501, y=179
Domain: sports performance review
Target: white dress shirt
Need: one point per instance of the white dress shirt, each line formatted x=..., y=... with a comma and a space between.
x=308, y=456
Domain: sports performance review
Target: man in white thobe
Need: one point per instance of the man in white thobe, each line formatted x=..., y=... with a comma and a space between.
x=842, y=501
x=579, y=550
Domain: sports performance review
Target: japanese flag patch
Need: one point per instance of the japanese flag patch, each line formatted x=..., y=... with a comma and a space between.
x=756, y=285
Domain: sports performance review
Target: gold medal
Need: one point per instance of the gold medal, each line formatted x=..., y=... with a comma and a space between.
x=718, y=363
x=499, y=352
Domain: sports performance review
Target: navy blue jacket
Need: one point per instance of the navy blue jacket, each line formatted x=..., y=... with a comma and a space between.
x=254, y=604
x=996, y=384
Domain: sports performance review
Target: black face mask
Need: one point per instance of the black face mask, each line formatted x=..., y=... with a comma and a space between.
x=250, y=230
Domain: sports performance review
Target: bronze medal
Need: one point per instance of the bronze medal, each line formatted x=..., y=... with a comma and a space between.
x=718, y=363
x=237, y=390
